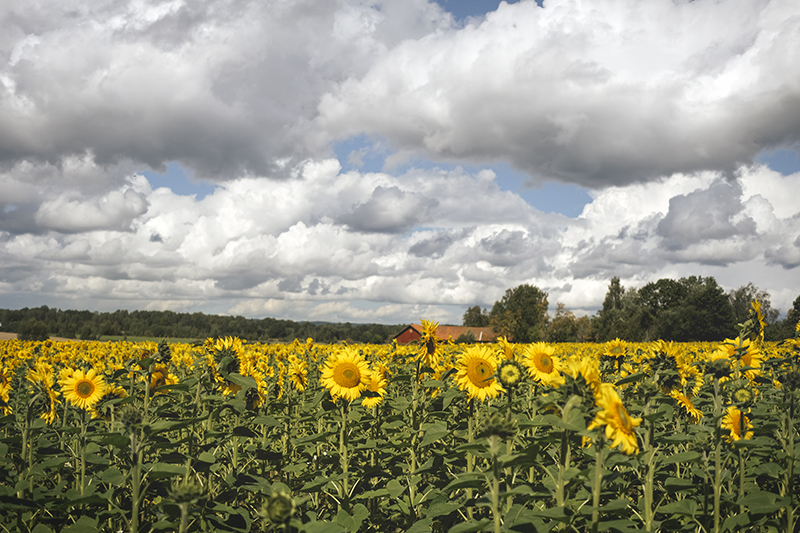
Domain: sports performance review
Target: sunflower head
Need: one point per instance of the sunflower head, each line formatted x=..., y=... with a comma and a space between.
x=742, y=394
x=737, y=423
x=83, y=389
x=163, y=353
x=428, y=343
x=346, y=374
x=475, y=373
x=509, y=373
x=542, y=364
x=106, y=405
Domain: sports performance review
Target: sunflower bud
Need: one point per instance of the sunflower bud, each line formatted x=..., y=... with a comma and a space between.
x=720, y=368
x=742, y=395
x=496, y=424
x=187, y=491
x=130, y=417
x=509, y=373
x=278, y=508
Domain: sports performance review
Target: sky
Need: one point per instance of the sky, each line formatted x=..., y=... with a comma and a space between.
x=393, y=160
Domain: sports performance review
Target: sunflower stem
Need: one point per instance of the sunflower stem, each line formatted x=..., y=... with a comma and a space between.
x=343, y=490
x=598, y=479
x=83, y=451
x=470, y=458
x=494, y=449
x=788, y=426
x=717, y=455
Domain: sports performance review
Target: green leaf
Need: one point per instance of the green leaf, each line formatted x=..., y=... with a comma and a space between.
x=395, y=488
x=113, y=476
x=690, y=456
x=245, y=382
x=469, y=527
x=465, y=481
x=322, y=527
x=763, y=502
x=442, y=509
x=84, y=524
x=421, y=526
x=434, y=432
x=242, y=431
x=685, y=507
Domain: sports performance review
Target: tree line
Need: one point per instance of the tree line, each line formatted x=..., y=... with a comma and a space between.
x=42, y=322
x=690, y=309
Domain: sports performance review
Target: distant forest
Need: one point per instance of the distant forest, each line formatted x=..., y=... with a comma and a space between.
x=688, y=309
x=41, y=322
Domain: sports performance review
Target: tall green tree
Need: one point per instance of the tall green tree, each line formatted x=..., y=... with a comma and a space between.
x=563, y=327
x=521, y=314
x=689, y=309
x=742, y=298
x=475, y=317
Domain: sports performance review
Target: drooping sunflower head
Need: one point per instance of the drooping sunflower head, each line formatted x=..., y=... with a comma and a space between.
x=298, y=373
x=506, y=348
x=620, y=427
x=5, y=406
x=428, y=343
x=106, y=405
x=346, y=374
x=738, y=425
x=83, y=389
x=227, y=352
x=475, y=373
x=373, y=395
x=686, y=406
x=542, y=363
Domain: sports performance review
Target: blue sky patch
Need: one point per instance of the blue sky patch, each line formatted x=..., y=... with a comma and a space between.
x=180, y=180
x=786, y=162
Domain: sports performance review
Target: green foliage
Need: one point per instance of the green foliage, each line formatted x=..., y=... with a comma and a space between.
x=521, y=314
x=474, y=317
x=122, y=324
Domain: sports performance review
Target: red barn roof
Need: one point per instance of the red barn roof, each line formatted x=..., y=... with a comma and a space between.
x=414, y=332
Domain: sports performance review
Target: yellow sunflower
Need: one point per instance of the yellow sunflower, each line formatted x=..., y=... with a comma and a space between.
x=506, y=348
x=377, y=384
x=346, y=374
x=509, y=373
x=428, y=343
x=161, y=376
x=104, y=408
x=620, y=426
x=616, y=348
x=475, y=373
x=83, y=390
x=542, y=364
x=687, y=406
x=5, y=407
x=738, y=425
x=298, y=373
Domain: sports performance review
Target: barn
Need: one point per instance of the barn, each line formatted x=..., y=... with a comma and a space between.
x=413, y=332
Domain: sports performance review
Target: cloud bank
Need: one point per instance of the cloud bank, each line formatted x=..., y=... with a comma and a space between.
x=659, y=109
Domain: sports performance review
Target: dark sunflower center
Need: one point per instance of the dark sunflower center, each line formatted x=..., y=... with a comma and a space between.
x=624, y=419
x=84, y=388
x=348, y=375
x=544, y=363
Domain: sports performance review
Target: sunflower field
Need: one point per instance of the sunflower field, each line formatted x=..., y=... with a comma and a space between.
x=232, y=436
